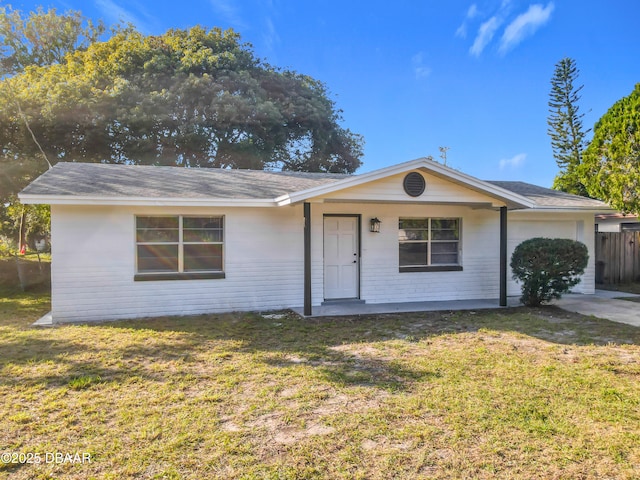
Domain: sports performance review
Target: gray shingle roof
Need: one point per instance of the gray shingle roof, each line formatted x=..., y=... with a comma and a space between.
x=546, y=197
x=134, y=181
x=96, y=180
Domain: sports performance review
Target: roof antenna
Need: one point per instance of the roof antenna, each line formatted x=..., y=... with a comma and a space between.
x=443, y=154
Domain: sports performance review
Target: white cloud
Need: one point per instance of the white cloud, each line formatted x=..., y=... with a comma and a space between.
x=270, y=36
x=422, y=72
x=514, y=162
x=485, y=33
x=525, y=25
x=419, y=68
x=229, y=13
x=472, y=12
x=461, y=32
x=116, y=13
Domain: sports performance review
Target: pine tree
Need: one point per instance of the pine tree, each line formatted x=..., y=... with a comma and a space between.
x=565, y=127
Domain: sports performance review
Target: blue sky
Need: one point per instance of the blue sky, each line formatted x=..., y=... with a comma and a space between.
x=412, y=76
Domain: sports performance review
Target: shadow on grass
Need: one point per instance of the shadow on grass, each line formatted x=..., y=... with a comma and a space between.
x=348, y=370
x=28, y=360
x=19, y=309
x=291, y=340
x=295, y=333
x=77, y=358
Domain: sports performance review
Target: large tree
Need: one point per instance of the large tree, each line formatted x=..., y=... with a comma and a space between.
x=37, y=39
x=195, y=98
x=611, y=164
x=565, y=126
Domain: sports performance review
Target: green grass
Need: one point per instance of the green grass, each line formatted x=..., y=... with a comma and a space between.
x=35, y=272
x=630, y=299
x=523, y=393
x=623, y=287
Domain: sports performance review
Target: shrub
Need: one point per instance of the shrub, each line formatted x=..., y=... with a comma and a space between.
x=548, y=267
x=6, y=248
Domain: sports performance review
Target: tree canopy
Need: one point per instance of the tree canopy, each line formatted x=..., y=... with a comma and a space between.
x=611, y=163
x=42, y=38
x=193, y=98
x=37, y=39
x=565, y=126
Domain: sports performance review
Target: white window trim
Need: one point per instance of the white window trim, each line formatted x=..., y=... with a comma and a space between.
x=429, y=241
x=180, y=273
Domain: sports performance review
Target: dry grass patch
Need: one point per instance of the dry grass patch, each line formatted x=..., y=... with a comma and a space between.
x=506, y=393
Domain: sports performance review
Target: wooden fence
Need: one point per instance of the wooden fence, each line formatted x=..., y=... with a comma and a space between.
x=617, y=257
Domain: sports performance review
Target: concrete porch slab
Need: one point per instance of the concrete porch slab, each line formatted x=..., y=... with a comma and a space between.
x=349, y=308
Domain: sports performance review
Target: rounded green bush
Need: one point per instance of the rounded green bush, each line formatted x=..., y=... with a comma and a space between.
x=548, y=267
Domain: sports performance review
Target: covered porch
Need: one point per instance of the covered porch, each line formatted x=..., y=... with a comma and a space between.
x=360, y=304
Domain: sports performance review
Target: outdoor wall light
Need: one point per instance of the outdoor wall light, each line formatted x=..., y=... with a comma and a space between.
x=374, y=225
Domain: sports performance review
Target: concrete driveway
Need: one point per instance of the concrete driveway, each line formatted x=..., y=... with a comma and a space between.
x=604, y=304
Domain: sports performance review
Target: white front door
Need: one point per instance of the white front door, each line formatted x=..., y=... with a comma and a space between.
x=341, y=260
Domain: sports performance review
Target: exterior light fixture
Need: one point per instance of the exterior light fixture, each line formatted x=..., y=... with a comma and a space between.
x=374, y=225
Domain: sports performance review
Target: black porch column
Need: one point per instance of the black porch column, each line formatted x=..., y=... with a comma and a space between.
x=307, y=258
x=503, y=256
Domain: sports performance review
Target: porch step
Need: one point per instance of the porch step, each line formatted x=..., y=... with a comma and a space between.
x=343, y=301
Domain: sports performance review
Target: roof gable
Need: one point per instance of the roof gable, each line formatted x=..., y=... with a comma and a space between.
x=391, y=190
x=366, y=187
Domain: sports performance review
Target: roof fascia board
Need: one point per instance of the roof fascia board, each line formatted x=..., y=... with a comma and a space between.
x=475, y=205
x=144, y=201
x=564, y=210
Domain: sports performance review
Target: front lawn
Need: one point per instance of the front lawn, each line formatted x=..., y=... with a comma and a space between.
x=486, y=394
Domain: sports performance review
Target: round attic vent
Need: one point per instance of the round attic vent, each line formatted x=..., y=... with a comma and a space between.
x=414, y=184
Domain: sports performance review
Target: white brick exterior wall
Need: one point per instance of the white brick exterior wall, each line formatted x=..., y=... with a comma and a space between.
x=93, y=251
x=94, y=254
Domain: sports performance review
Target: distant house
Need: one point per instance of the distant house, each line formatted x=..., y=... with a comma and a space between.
x=136, y=241
x=616, y=222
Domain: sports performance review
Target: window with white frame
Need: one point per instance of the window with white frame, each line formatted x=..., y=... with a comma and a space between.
x=179, y=244
x=429, y=244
